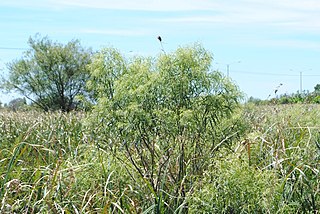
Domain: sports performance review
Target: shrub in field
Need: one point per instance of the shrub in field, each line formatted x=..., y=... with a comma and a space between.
x=231, y=185
x=164, y=115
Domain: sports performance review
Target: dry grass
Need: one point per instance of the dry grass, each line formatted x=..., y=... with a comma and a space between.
x=52, y=163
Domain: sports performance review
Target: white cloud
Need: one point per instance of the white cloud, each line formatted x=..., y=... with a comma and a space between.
x=32, y=4
x=177, y=5
x=145, y=5
x=301, y=15
x=309, y=5
x=292, y=43
x=187, y=5
x=232, y=11
x=116, y=32
x=293, y=15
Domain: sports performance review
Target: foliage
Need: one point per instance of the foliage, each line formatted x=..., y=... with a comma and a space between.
x=49, y=165
x=105, y=69
x=166, y=135
x=286, y=139
x=231, y=185
x=317, y=89
x=161, y=113
x=17, y=104
x=50, y=74
x=275, y=169
x=52, y=163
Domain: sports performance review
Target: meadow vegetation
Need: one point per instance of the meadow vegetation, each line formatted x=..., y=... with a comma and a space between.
x=54, y=163
x=163, y=135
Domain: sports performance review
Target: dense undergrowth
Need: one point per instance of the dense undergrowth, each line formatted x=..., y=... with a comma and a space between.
x=264, y=159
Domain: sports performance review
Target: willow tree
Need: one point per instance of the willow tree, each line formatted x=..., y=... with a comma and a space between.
x=50, y=74
x=162, y=113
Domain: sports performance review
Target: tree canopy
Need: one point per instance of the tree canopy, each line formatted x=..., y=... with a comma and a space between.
x=50, y=74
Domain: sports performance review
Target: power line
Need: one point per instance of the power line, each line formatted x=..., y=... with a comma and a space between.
x=228, y=65
x=311, y=75
x=263, y=73
x=275, y=74
x=12, y=48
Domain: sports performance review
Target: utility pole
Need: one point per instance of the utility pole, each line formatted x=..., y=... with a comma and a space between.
x=300, y=82
x=300, y=72
x=228, y=66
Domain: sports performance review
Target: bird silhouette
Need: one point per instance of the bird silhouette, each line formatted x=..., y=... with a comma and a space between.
x=160, y=40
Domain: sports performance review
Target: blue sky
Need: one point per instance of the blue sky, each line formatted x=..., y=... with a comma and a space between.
x=275, y=40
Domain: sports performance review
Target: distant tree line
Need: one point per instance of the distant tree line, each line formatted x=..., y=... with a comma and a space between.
x=305, y=97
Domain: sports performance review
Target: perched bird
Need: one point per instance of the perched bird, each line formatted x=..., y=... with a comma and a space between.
x=160, y=40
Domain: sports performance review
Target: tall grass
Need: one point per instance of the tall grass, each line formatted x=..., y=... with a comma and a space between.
x=285, y=139
x=51, y=163
x=267, y=161
x=274, y=169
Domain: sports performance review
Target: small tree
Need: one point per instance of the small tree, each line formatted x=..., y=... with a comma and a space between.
x=163, y=114
x=317, y=89
x=17, y=104
x=50, y=74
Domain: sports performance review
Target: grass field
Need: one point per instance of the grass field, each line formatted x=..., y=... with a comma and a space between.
x=58, y=163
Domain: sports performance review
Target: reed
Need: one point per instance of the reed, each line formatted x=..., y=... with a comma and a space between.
x=267, y=161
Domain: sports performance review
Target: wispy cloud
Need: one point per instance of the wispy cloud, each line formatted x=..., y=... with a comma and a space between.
x=187, y=5
x=286, y=20
x=292, y=15
x=32, y=4
x=291, y=43
x=145, y=5
x=116, y=32
x=300, y=14
x=285, y=16
x=300, y=5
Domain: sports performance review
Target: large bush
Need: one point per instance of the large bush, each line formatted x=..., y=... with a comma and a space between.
x=165, y=115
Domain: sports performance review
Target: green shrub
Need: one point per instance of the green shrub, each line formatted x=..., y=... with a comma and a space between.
x=232, y=186
x=165, y=116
